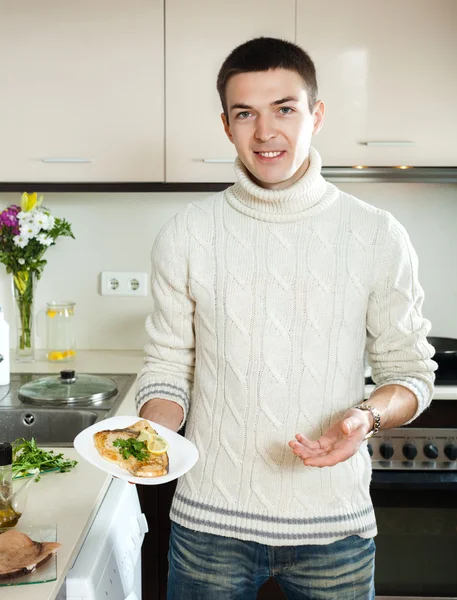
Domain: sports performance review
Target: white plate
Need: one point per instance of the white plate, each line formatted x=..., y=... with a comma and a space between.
x=182, y=454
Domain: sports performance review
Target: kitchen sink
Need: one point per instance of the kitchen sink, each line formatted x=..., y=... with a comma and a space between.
x=49, y=426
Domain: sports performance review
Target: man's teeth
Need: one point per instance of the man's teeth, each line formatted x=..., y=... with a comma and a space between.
x=270, y=154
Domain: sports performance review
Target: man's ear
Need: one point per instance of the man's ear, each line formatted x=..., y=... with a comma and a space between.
x=227, y=127
x=318, y=116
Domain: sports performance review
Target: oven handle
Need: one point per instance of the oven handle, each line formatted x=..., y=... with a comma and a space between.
x=414, y=480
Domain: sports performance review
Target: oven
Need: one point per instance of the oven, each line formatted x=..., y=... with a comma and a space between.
x=414, y=492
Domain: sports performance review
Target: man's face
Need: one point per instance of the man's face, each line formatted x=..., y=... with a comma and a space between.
x=268, y=113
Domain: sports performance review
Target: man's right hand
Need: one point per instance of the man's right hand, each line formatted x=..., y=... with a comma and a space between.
x=165, y=412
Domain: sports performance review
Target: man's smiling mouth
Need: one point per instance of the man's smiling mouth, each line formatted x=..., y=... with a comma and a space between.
x=274, y=154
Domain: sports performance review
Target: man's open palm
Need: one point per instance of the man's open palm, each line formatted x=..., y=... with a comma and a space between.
x=337, y=444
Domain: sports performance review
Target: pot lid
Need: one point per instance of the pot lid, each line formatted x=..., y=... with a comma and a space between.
x=68, y=388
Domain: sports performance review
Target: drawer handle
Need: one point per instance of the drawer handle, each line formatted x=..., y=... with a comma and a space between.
x=66, y=160
x=389, y=143
x=218, y=160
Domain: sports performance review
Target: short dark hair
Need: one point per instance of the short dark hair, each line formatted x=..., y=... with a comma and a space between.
x=263, y=54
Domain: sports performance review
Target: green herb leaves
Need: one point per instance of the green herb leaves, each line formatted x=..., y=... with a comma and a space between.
x=27, y=457
x=132, y=447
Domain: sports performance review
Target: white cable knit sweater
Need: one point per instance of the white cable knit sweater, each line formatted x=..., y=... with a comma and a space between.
x=263, y=304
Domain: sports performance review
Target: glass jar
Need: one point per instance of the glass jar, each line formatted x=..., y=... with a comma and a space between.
x=60, y=331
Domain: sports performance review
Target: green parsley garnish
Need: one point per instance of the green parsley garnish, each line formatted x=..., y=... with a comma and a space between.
x=27, y=457
x=132, y=447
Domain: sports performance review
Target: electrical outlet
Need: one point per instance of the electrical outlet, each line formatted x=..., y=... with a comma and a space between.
x=123, y=283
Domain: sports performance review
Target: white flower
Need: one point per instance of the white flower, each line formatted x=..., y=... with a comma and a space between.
x=44, y=239
x=41, y=220
x=51, y=222
x=21, y=261
x=25, y=217
x=21, y=240
x=29, y=230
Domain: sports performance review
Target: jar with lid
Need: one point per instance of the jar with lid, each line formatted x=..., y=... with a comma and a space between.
x=60, y=331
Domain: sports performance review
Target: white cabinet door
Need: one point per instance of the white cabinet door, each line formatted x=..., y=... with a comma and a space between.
x=199, y=36
x=387, y=73
x=82, y=91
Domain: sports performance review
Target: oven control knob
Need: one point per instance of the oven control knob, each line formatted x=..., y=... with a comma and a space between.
x=451, y=451
x=410, y=451
x=386, y=450
x=431, y=451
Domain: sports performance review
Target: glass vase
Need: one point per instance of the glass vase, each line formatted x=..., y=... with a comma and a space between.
x=24, y=283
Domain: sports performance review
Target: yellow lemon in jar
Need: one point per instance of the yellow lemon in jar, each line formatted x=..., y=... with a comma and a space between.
x=68, y=353
x=51, y=313
x=54, y=355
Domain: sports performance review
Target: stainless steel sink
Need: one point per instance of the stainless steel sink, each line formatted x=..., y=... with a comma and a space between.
x=49, y=426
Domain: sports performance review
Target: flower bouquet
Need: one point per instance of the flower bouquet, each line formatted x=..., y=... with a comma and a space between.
x=26, y=232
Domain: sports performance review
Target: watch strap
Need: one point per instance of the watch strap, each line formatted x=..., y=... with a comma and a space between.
x=376, y=418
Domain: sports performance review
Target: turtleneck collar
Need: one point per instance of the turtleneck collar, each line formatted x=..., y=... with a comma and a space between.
x=306, y=197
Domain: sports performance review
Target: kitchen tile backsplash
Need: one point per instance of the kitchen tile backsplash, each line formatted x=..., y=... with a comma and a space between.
x=115, y=232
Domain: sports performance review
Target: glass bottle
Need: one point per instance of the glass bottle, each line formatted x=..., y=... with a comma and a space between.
x=8, y=516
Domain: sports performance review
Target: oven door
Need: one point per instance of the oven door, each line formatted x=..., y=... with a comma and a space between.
x=416, y=547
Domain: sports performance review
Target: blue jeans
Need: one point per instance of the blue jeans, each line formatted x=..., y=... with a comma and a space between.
x=203, y=566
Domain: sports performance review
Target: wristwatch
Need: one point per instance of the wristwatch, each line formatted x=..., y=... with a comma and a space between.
x=376, y=419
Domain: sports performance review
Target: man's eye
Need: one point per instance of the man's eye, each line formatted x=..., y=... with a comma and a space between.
x=287, y=108
x=243, y=115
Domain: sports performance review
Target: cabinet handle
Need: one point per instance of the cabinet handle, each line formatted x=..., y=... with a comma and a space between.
x=66, y=160
x=389, y=143
x=218, y=160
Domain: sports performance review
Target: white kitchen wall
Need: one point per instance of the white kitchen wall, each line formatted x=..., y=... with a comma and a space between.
x=115, y=232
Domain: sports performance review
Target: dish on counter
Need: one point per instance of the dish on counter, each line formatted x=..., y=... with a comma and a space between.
x=28, y=555
x=180, y=456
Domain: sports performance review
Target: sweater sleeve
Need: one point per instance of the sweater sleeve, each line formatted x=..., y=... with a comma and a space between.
x=397, y=345
x=168, y=370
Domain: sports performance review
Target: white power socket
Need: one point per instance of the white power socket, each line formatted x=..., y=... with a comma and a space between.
x=123, y=283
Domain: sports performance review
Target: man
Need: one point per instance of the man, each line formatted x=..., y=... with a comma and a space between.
x=265, y=298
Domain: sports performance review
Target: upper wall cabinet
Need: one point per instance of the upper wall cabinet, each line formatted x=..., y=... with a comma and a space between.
x=199, y=36
x=82, y=91
x=387, y=74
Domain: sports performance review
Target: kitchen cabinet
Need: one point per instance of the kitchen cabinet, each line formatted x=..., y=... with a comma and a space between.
x=82, y=91
x=199, y=36
x=387, y=75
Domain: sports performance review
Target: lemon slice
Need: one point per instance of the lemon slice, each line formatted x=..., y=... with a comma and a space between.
x=160, y=446
x=148, y=437
x=155, y=443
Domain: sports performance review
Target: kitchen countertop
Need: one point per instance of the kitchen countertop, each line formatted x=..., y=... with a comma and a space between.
x=70, y=500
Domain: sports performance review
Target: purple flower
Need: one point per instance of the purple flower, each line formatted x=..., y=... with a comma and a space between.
x=8, y=217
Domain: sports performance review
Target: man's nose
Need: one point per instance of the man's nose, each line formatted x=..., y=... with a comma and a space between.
x=264, y=130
